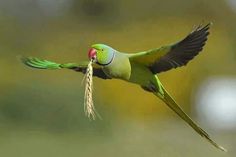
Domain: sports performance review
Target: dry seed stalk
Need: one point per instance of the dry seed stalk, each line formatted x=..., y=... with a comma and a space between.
x=88, y=97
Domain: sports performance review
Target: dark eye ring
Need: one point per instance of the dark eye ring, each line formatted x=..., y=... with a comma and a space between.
x=102, y=49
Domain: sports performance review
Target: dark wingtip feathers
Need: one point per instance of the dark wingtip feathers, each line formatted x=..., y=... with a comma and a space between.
x=184, y=51
x=202, y=27
x=196, y=40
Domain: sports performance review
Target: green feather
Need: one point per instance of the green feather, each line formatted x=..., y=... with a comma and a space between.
x=39, y=63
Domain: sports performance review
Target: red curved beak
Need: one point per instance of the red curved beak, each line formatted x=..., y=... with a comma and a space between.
x=92, y=53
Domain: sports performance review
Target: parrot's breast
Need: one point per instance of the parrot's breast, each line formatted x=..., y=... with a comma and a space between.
x=141, y=75
x=119, y=67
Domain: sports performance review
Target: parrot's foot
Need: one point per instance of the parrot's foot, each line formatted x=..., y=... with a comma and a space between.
x=157, y=90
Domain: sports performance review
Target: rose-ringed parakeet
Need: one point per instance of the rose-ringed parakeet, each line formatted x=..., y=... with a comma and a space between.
x=141, y=68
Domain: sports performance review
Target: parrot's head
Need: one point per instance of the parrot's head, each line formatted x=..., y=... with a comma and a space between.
x=101, y=54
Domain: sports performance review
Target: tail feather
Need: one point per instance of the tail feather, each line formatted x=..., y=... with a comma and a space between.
x=177, y=109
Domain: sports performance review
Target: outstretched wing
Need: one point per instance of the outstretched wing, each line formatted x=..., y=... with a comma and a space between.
x=175, y=55
x=79, y=67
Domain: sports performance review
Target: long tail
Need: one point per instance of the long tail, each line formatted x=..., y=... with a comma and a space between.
x=177, y=109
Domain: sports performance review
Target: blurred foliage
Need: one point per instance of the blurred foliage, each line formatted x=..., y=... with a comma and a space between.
x=36, y=106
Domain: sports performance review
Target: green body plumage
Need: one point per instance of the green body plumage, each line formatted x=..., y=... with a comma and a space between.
x=141, y=68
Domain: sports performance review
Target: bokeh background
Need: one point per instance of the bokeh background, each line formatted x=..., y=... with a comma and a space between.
x=41, y=112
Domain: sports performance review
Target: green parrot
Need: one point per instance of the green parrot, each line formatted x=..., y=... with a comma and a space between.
x=141, y=68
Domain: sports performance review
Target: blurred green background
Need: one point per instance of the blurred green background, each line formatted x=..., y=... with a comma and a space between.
x=41, y=112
